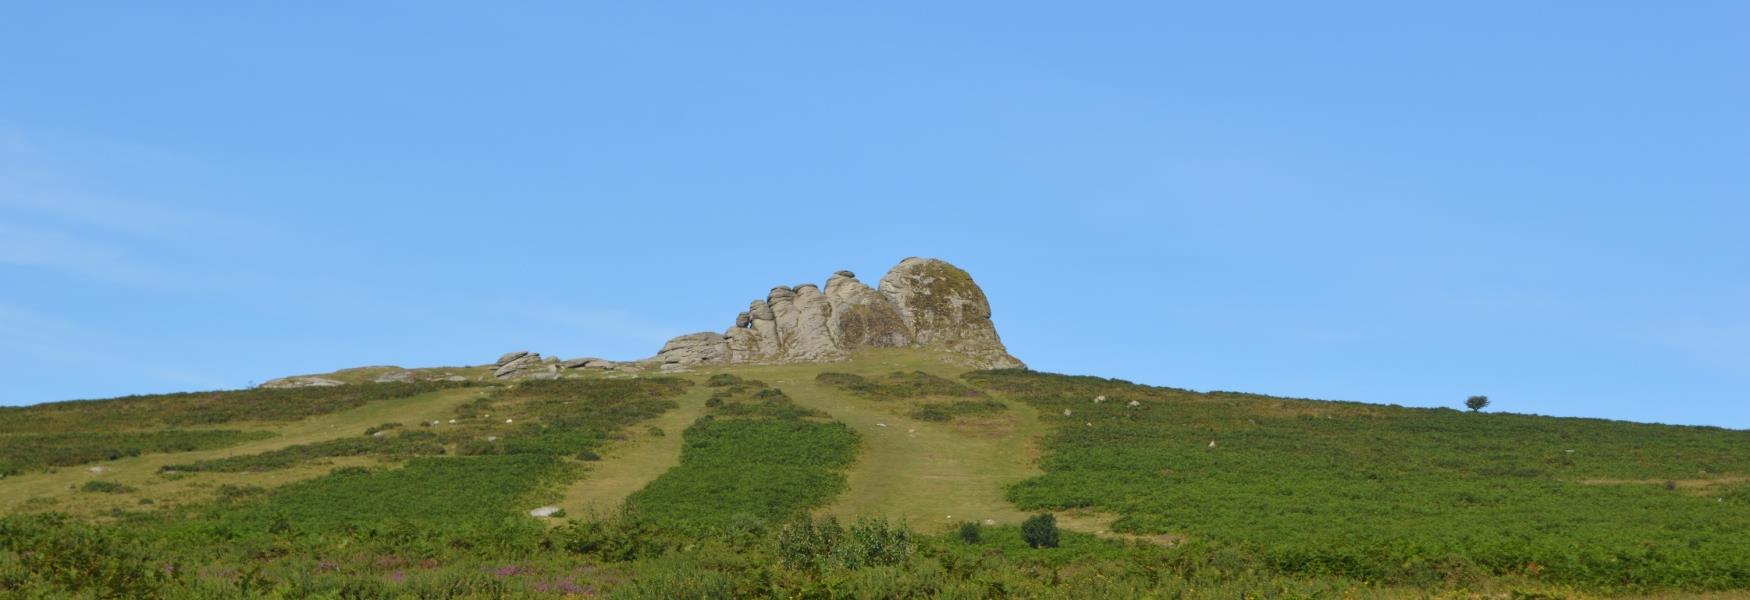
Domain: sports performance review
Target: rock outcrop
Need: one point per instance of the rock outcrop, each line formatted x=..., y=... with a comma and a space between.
x=922, y=302
x=301, y=381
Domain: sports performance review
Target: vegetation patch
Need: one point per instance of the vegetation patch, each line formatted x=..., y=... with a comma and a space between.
x=205, y=408
x=555, y=418
x=23, y=452
x=748, y=471
x=105, y=487
x=898, y=385
x=1447, y=495
x=927, y=397
x=428, y=492
x=754, y=399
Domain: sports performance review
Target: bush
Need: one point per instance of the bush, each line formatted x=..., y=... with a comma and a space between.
x=1476, y=403
x=383, y=427
x=105, y=487
x=1040, y=531
x=723, y=380
x=971, y=532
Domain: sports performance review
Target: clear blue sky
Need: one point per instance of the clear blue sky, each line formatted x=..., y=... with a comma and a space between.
x=1397, y=202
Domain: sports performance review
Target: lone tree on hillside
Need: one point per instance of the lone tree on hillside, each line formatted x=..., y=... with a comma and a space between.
x=1476, y=403
x=1040, y=531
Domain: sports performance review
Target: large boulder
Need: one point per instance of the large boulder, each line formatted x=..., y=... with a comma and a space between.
x=943, y=308
x=527, y=362
x=694, y=349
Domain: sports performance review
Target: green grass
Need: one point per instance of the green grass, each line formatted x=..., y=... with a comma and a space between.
x=1379, y=493
x=897, y=385
x=204, y=408
x=22, y=452
x=1298, y=499
x=405, y=445
x=749, y=470
x=428, y=492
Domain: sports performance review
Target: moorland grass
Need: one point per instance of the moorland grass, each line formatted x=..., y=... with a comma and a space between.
x=1407, y=496
x=204, y=408
x=24, y=452
x=762, y=462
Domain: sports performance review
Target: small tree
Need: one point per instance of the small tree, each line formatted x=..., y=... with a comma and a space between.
x=1476, y=403
x=1040, y=531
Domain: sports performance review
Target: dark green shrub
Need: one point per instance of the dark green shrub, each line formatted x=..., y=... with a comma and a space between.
x=105, y=487
x=383, y=427
x=588, y=455
x=971, y=532
x=1040, y=531
x=723, y=380
x=1476, y=403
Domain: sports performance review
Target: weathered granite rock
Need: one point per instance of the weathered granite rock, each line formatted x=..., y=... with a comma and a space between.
x=529, y=361
x=920, y=303
x=943, y=308
x=861, y=316
x=577, y=363
x=302, y=381
x=510, y=356
x=809, y=339
x=395, y=377
x=694, y=349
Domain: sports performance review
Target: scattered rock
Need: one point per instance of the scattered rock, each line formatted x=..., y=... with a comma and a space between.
x=544, y=512
x=395, y=377
x=510, y=356
x=525, y=361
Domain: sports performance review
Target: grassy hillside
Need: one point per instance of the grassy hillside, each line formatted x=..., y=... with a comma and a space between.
x=762, y=480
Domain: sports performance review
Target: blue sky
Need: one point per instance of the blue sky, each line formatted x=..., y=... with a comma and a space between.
x=1547, y=203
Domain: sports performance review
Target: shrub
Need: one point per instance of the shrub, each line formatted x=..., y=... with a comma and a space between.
x=1040, y=531
x=588, y=455
x=105, y=487
x=1476, y=403
x=723, y=380
x=971, y=532
x=655, y=431
x=383, y=427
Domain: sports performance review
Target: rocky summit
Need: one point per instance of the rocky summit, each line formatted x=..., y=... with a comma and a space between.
x=921, y=302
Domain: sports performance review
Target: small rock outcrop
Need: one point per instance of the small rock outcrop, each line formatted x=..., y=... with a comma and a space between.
x=301, y=381
x=922, y=302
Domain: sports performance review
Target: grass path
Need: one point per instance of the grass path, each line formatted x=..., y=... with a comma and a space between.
x=627, y=466
x=932, y=475
x=39, y=489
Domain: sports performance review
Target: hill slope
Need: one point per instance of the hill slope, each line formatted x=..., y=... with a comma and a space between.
x=1227, y=490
